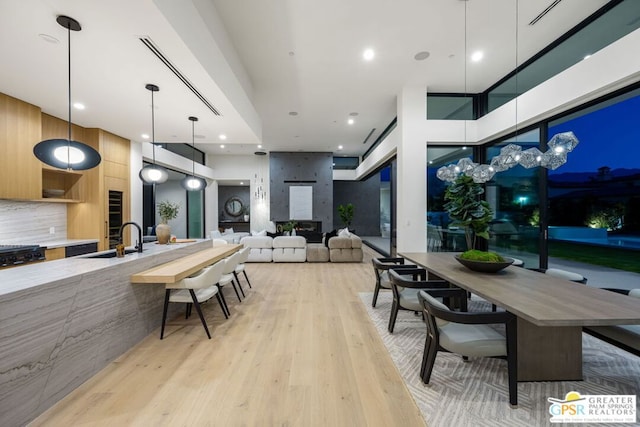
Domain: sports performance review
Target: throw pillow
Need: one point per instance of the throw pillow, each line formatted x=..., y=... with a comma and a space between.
x=259, y=233
x=215, y=234
x=344, y=233
x=228, y=231
x=329, y=235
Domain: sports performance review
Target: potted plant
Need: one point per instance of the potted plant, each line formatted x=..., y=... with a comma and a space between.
x=346, y=214
x=167, y=211
x=289, y=228
x=473, y=215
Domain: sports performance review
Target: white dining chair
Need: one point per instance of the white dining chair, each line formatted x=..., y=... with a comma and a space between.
x=195, y=290
x=240, y=268
x=228, y=271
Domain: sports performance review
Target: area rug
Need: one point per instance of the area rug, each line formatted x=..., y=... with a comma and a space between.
x=476, y=393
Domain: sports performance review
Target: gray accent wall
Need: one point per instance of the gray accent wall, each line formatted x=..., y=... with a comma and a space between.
x=288, y=169
x=365, y=197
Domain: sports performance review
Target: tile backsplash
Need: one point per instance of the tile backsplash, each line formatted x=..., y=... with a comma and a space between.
x=32, y=222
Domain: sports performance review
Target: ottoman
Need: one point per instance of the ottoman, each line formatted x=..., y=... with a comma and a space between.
x=317, y=252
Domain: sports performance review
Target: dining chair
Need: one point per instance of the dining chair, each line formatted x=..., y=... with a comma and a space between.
x=467, y=334
x=194, y=290
x=381, y=267
x=219, y=242
x=228, y=271
x=405, y=285
x=242, y=259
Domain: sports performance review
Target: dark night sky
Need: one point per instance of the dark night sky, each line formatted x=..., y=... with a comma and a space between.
x=608, y=137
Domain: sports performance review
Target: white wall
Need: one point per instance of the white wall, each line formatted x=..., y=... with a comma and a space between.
x=411, y=186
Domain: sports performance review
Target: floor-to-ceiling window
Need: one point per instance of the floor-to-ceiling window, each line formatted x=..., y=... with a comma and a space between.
x=439, y=236
x=594, y=199
x=513, y=196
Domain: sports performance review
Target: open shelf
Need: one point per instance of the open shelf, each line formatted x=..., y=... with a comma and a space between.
x=62, y=186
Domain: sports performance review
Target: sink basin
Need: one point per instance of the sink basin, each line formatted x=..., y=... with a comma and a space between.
x=110, y=254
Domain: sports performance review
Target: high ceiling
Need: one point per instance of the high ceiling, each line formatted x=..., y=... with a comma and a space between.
x=286, y=74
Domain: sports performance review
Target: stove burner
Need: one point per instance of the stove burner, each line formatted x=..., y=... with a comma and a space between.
x=11, y=255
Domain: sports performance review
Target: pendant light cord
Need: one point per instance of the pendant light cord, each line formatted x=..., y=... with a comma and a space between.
x=193, y=148
x=517, y=72
x=69, y=93
x=465, y=67
x=153, y=129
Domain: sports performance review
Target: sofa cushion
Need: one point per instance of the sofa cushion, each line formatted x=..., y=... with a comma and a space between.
x=289, y=242
x=346, y=255
x=257, y=242
x=289, y=254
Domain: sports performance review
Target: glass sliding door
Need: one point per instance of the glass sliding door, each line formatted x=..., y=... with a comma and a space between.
x=195, y=214
x=440, y=237
x=513, y=196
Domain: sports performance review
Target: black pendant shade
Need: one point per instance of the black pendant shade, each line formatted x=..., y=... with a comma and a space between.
x=153, y=174
x=65, y=153
x=192, y=182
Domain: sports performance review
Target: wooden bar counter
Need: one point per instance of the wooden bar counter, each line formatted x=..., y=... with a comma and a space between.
x=178, y=269
x=550, y=312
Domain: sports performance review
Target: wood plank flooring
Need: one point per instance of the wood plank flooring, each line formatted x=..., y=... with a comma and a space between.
x=298, y=351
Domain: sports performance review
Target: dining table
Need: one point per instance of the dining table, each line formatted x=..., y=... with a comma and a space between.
x=550, y=311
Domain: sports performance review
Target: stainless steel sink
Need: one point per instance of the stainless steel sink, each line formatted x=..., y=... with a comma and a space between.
x=110, y=254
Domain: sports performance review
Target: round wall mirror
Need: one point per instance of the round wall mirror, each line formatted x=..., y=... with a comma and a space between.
x=233, y=206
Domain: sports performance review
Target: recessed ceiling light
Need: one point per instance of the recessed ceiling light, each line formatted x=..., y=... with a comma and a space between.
x=587, y=56
x=259, y=145
x=351, y=121
x=78, y=106
x=339, y=147
x=477, y=56
x=222, y=136
x=241, y=182
x=145, y=136
x=353, y=114
x=464, y=147
x=421, y=56
x=221, y=145
x=368, y=54
x=430, y=162
x=48, y=38
x=293, y=113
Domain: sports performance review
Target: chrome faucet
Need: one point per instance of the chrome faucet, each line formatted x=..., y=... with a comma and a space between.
x=139, y=242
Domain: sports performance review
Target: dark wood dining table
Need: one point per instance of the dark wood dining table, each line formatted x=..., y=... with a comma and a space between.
x=550, y=312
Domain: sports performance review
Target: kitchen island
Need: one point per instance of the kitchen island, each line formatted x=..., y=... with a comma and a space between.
x=63, y=321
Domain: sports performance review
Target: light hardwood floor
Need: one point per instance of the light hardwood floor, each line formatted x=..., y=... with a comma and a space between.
x=300, y=350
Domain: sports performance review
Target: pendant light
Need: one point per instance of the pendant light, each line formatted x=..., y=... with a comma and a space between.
x=153, y=174
x=66, y=153
x=193, y=183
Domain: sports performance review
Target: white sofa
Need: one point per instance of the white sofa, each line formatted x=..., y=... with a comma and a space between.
x=261, y=248
x=229, y=237
x=289, y=249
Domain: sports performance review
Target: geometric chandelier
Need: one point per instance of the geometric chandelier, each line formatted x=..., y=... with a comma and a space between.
x=512, y=155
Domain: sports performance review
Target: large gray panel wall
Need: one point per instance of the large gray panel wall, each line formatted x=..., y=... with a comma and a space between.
x=365, y=197
x=294, y=169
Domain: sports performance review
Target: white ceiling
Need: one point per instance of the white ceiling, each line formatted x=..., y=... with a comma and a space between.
x=256, y=61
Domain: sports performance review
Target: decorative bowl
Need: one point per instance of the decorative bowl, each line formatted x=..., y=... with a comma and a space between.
x=484, y=266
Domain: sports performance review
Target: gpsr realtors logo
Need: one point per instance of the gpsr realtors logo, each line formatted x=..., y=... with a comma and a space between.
x=605, y=408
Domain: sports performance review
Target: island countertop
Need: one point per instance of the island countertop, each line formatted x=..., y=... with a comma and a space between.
x=36, y=274
x=64, y=320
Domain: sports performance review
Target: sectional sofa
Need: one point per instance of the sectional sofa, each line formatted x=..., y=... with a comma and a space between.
x=296, y=249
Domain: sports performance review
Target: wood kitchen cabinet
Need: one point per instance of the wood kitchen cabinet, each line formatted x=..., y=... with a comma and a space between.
x=20, y=130
x=92, y=219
